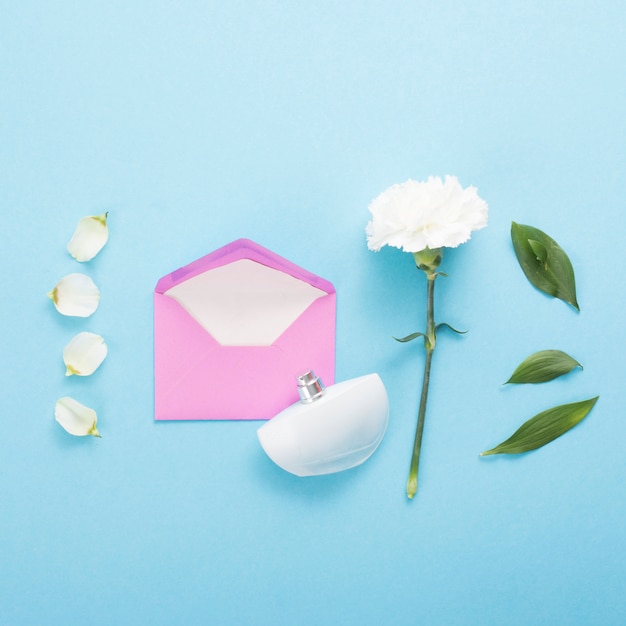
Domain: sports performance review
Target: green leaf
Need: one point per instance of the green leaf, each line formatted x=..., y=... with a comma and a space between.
x=410, y=337
x=544, y=428
x=544, y=262
x=543, y=366
x=454, y=330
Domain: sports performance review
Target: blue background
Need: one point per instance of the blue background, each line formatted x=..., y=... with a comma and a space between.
x=195, y=123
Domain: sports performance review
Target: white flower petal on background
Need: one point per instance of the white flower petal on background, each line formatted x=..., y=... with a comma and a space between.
x=414, y=215
x=84, y=354
x=89, y=238
x=76, y=418
x=75, y=295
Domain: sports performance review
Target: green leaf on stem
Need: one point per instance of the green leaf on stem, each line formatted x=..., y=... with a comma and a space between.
x=544, y=262
x=410, y=337
x=454, y=330
x=543, y=366
x=544, y=428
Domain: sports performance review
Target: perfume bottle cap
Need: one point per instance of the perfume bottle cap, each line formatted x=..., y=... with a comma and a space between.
x=310, y=387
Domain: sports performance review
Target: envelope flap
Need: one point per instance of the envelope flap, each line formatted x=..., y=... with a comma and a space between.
x=235, y=251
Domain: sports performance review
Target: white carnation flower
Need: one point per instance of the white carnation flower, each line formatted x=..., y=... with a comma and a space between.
x=415, y=215
x=423, y=219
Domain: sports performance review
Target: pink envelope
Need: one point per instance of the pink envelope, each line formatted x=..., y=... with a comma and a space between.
x=232, y=331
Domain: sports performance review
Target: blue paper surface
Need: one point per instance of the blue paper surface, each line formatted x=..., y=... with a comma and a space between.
x=197, y=123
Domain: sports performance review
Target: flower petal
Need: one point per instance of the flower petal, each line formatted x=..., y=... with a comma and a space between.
x=84, y=354
x=76, y=418
x=75, y=295
x=89, y=238
x=432, y=214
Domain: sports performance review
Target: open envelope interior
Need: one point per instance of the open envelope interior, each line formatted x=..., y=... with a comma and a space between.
x=245, y=303
x=234, y=329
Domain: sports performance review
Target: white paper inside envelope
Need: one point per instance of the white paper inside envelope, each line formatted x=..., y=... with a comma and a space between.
x=245, y=303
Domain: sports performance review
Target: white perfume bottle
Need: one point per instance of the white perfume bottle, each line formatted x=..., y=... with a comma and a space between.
x=330, y=429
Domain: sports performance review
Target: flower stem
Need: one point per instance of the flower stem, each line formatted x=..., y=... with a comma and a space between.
x=430, y=340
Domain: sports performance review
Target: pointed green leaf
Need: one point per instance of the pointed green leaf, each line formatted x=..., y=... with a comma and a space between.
x=410, y=337
x=544, y=428
x=543, y=366
x=544, y=262
x=454, y=330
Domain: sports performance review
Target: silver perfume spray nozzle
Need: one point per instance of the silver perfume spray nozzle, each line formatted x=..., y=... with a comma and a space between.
x=310, y=387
